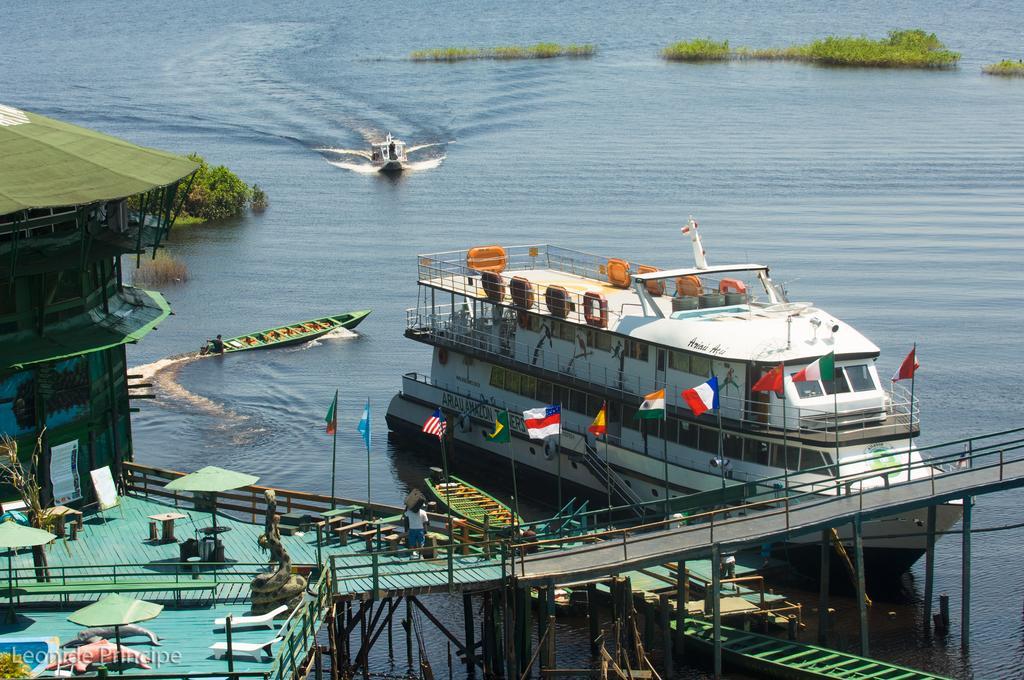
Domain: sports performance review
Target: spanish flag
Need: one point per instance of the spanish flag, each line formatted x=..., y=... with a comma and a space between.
x=600, y=424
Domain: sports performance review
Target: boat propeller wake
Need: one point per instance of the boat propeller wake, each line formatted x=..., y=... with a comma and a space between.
x=336, y=334
x=164, y=376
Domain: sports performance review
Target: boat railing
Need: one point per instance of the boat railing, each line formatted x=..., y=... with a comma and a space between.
x=455, y=327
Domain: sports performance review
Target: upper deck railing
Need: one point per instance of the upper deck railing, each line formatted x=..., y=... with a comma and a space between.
x=457, y=330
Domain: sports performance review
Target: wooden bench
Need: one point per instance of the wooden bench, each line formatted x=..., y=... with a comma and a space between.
x=345, y=529
x=101, y=587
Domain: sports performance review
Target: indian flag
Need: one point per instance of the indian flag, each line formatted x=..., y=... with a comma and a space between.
x=653, y=406
x=822, y=369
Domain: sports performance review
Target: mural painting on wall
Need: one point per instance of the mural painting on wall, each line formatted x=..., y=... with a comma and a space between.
x=17, y=404
x=68, y=393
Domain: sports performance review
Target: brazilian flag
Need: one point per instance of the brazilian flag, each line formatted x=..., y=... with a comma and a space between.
x=502, y=433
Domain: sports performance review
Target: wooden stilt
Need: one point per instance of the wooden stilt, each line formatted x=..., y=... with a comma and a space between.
x=332, y=641
x=509, y=627
x=682, y=600
x=665, y=616
x=364, y=651
x=862, y=606
x=486, y=640
x=650, y=616
x=593, y=619
x=552, y=658
x=824, y=586
x=542, y=623
x=965, y=576
x=929, y=569
x=408, y=633
x=391, y=615
x=525, y=616
x=467, y=620
x=716, y=607
x=629, y=620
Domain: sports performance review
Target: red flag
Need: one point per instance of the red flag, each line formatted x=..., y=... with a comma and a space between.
x=908, y=367
x=770, y=381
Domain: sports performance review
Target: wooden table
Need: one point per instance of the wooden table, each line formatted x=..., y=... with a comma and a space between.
x=62, y=513
x=167, y=519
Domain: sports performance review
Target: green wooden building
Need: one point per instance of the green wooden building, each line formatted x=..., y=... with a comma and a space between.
x=76, y=206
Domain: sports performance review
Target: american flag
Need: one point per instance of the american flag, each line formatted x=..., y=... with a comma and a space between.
x=435, y=424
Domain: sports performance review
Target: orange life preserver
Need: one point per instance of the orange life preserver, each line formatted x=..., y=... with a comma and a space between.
x=732, y=286
x=442, y=356
x=523, y=319
x=595, y=309
x=655, y=288
x=487, y=259
x=689, y=286
x=557, y=300
x=521, y=291
x=618, y=272
x=493, y=285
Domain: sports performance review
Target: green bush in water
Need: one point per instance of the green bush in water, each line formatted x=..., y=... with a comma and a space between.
x=699, y=49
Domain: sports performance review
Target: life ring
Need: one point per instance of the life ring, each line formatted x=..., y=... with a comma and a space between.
x=521, y=291
x=618, y=272
x=595, y=309
x=657, y=287
x=493, y=285
x=732, y=286
x=557, y=300
x=550, y=448
x=523, y=319
x=442, y=355
x=689, y=286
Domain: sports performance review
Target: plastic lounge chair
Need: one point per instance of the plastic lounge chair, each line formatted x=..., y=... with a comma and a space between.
x=252, y=621
x=257, y=651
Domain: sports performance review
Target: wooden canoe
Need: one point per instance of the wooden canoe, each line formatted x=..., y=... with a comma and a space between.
x=472, y=504
x=291, y=334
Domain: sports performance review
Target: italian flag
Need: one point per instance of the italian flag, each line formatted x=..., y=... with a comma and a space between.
x=822, y=369
x=653, y=406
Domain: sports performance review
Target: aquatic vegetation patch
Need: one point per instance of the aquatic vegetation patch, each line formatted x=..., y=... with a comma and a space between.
x=900, y=49
x=536, y=51
x=699, y=49
x=1007, y=67
x=163, y=270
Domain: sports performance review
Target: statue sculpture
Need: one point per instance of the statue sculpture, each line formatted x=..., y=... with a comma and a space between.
x=279, y=586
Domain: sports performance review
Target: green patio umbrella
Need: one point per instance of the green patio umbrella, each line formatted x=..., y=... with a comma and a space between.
x=212, y=480
x=14, y=535
x=115, y=610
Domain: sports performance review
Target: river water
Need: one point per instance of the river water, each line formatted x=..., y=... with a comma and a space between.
x=891, y=198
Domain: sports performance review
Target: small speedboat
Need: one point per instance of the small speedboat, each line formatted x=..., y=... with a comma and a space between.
x=389, y=155
x=290, y=334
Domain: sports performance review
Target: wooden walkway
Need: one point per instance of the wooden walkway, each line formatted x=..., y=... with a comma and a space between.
x=624, y=550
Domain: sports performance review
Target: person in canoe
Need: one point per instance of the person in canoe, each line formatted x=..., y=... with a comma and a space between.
x=215, y=346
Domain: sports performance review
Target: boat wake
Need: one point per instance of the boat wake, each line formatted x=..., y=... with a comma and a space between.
x=336, y=334
x=163, y=374
x=346, y=152
x=368, y=169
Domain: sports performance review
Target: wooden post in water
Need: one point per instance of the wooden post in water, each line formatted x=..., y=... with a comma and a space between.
x=392, y=605
x=929, y=569
x=965, y=576
x=593, y=619
x=682, y=600
x=551, y=653
x=862, y=608
x=665, y=617
x=364, y=652
x=408, y=633
x=716, y=606
x=542, y=622
x=332, y=640
x=467, y=620
x=650, y=617
x=486, y=642
x=508, y=627
x=826, y=550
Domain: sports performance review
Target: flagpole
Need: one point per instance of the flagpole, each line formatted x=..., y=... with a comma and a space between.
x=447, y=483
x=558, y=456
x=785, y=434
x=664, y=454
x=369, y=503
x=910, y=409
x=515, y=484
x=721, y=453
x=608, y=470
x=334, y=451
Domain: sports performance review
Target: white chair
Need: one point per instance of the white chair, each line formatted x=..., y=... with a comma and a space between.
x=252, y=621
x=257, y=651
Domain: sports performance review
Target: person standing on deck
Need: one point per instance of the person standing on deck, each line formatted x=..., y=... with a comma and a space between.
x=417, y=521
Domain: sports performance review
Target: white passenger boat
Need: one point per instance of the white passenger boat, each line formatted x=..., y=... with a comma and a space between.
x=389, y=155
x=523, y=326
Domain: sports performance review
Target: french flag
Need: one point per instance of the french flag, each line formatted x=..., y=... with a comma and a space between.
x=543, y=422
x=703, y=397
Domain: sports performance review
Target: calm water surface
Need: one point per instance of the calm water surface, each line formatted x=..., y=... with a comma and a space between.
x=891, y=198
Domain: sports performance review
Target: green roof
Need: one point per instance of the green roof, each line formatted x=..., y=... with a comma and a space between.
x=48, y=163
x=133, y=314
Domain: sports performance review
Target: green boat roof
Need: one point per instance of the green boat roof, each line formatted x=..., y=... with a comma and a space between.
x=49, y=163
x=133, y=314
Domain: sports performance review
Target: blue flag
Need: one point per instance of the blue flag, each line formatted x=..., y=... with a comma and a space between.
x=364, y=424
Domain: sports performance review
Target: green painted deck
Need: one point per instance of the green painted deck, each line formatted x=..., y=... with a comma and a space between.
x=763, y=654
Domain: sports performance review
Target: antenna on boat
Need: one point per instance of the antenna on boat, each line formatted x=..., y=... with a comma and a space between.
x=699, y=253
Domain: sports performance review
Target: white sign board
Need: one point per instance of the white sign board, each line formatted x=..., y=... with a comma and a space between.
x=106, y=492
x=64, y=473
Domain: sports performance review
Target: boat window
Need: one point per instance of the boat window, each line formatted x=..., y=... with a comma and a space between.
x=859, y=377
x=629, y=417
x=809, y=388
x=670, y=428
x=601, y=341
x=593, y=405
x=700, y=365
x=636, y=350
x=756, y=451
x=785, y=457
x=837, y=386
x=512, y=381
x=707, y=440
x=810, y=458
x=679, y=361
x=528, y=386
x=498, y=377
x=565, y=331
x=561, y=394
x=732, y=446
x=544, y=392
x=579, y=401
x=687, y=435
